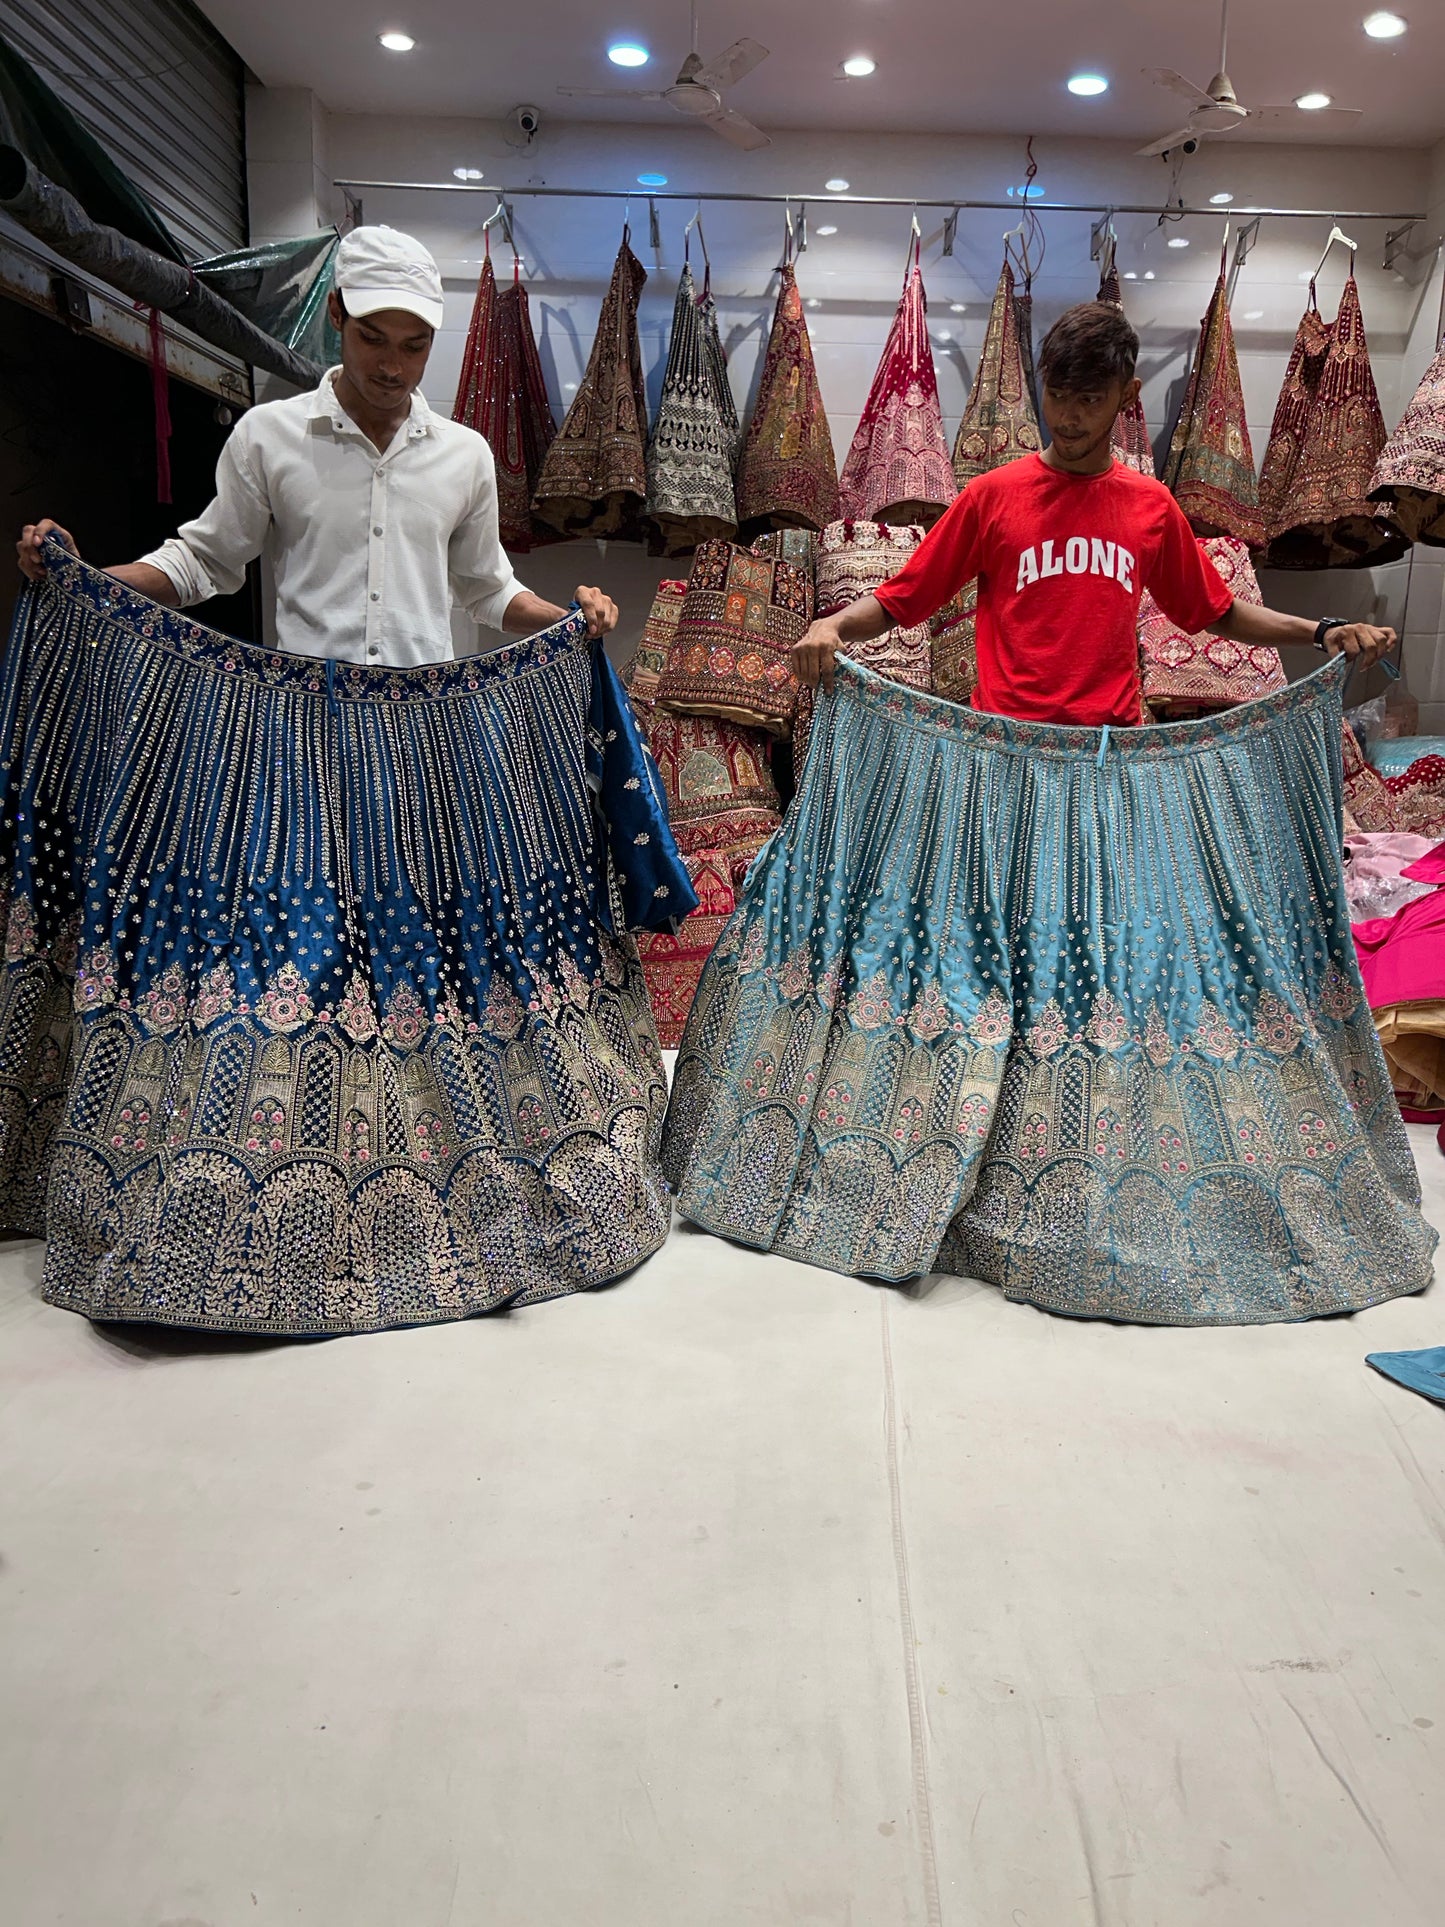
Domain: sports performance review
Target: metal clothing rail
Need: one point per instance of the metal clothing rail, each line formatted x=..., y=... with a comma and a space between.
x=816, y=199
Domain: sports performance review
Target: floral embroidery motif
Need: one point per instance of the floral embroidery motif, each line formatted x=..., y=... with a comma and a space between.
x=930, y=1015
x=163, y=1006
x=869, y=1005
x=1049, y=1032
x=1276, y=1028
x=95, y=984
x=285, y=1004
x=1213, y=1035
x=216, y=996
x=1339, y=998
x=20, y=933
x=504, y=1013
x=356, y=1014
x=993, y=1021
x=1108, y=1027
x=1158, y=1044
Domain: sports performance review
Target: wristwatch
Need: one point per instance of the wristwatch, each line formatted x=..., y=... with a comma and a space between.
x=1324, y=626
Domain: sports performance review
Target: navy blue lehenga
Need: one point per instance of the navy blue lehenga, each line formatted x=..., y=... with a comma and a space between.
x=1073, y=1012
x=318, y=1009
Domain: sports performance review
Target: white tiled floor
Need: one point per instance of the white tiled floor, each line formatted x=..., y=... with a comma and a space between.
x=737, y=1593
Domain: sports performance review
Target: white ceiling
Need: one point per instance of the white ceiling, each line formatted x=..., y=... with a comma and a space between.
x=942, y=67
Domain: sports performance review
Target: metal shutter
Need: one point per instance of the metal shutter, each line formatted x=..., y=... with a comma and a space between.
x=160, y=88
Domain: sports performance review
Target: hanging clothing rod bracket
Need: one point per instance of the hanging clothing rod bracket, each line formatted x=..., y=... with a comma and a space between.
x=1244, y=243
x=1395, y=244
x=950, y=231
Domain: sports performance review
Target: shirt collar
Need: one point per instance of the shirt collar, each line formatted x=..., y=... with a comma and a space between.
x=324, y=406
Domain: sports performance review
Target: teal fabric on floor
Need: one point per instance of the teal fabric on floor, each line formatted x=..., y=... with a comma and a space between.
x=1074, y=1014
x=1422, y=1372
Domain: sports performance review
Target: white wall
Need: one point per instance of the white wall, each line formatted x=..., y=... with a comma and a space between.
x=851, y=280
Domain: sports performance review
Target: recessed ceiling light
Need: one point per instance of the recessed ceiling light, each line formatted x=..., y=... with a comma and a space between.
x=1220, y=200
x=1130, y=275
x=1384, y=26
x=1312, y=103
x=396, y=43
x=652, y=180
x=815, y=302
x=958, y=307
x=1254, y=314
x=829, y=229
x=944, y=334
x=627, y=53
x=1026, y=191
x=1088, y=84
x=859, y=66
x=1148, y=274
x=1178, y=241
x=837, y=185
x=466, y=173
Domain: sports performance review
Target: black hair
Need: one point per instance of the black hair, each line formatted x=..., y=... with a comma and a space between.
x=1089, y=347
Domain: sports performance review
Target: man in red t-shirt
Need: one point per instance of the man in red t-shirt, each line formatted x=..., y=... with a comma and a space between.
x=1063, y=545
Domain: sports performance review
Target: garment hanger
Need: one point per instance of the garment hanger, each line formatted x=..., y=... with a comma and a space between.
x=914, y=256
x=1337, y=236
x=696, y=222
x=787, y=260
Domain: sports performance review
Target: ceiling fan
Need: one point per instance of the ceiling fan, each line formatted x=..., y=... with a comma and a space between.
x=699, y=89
x=1217, y=109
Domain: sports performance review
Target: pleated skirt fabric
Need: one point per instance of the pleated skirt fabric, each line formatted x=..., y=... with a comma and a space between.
x=318, y=1011
x=1073, y=1012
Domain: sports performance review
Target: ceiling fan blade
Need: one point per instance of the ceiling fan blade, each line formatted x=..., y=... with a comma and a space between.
x=1177, y=84
x=1300, y=117
x=740, y=131
x=608, y=93
x=1176, y=139
x=726, y=69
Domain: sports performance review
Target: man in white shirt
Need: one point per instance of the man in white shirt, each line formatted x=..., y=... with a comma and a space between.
x=377, y=515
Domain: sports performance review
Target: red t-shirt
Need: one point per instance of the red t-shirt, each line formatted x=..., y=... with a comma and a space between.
x=1061, y=562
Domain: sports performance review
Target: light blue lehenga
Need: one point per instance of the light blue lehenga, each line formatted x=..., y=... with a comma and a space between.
x=1073, y=1012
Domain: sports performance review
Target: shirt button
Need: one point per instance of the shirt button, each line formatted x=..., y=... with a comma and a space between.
x=377, y=529
x=373, y=652
x=376, y=595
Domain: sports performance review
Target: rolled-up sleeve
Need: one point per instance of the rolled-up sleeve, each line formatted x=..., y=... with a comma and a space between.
x=482, y=579
x=208, y=557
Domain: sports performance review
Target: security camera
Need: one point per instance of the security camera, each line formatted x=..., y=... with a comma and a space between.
x=527, y=121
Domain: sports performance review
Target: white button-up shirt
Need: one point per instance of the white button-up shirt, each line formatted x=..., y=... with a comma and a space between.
x=369, y=550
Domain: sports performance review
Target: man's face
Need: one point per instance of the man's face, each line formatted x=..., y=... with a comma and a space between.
x=384, y=355
x=1079, y=419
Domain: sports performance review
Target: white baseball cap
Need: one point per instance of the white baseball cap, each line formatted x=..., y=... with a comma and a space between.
x=380, y=267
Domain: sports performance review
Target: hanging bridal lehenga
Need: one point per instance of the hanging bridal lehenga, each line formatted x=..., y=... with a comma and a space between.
x=1210, y=467
x=594, y=477
x=1328, y=434
x=898, y=468
x=999, y=424
x=694, y=446
x=1409, y=478
x=787, y=472
x=502, y=394
x=1130, y=439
